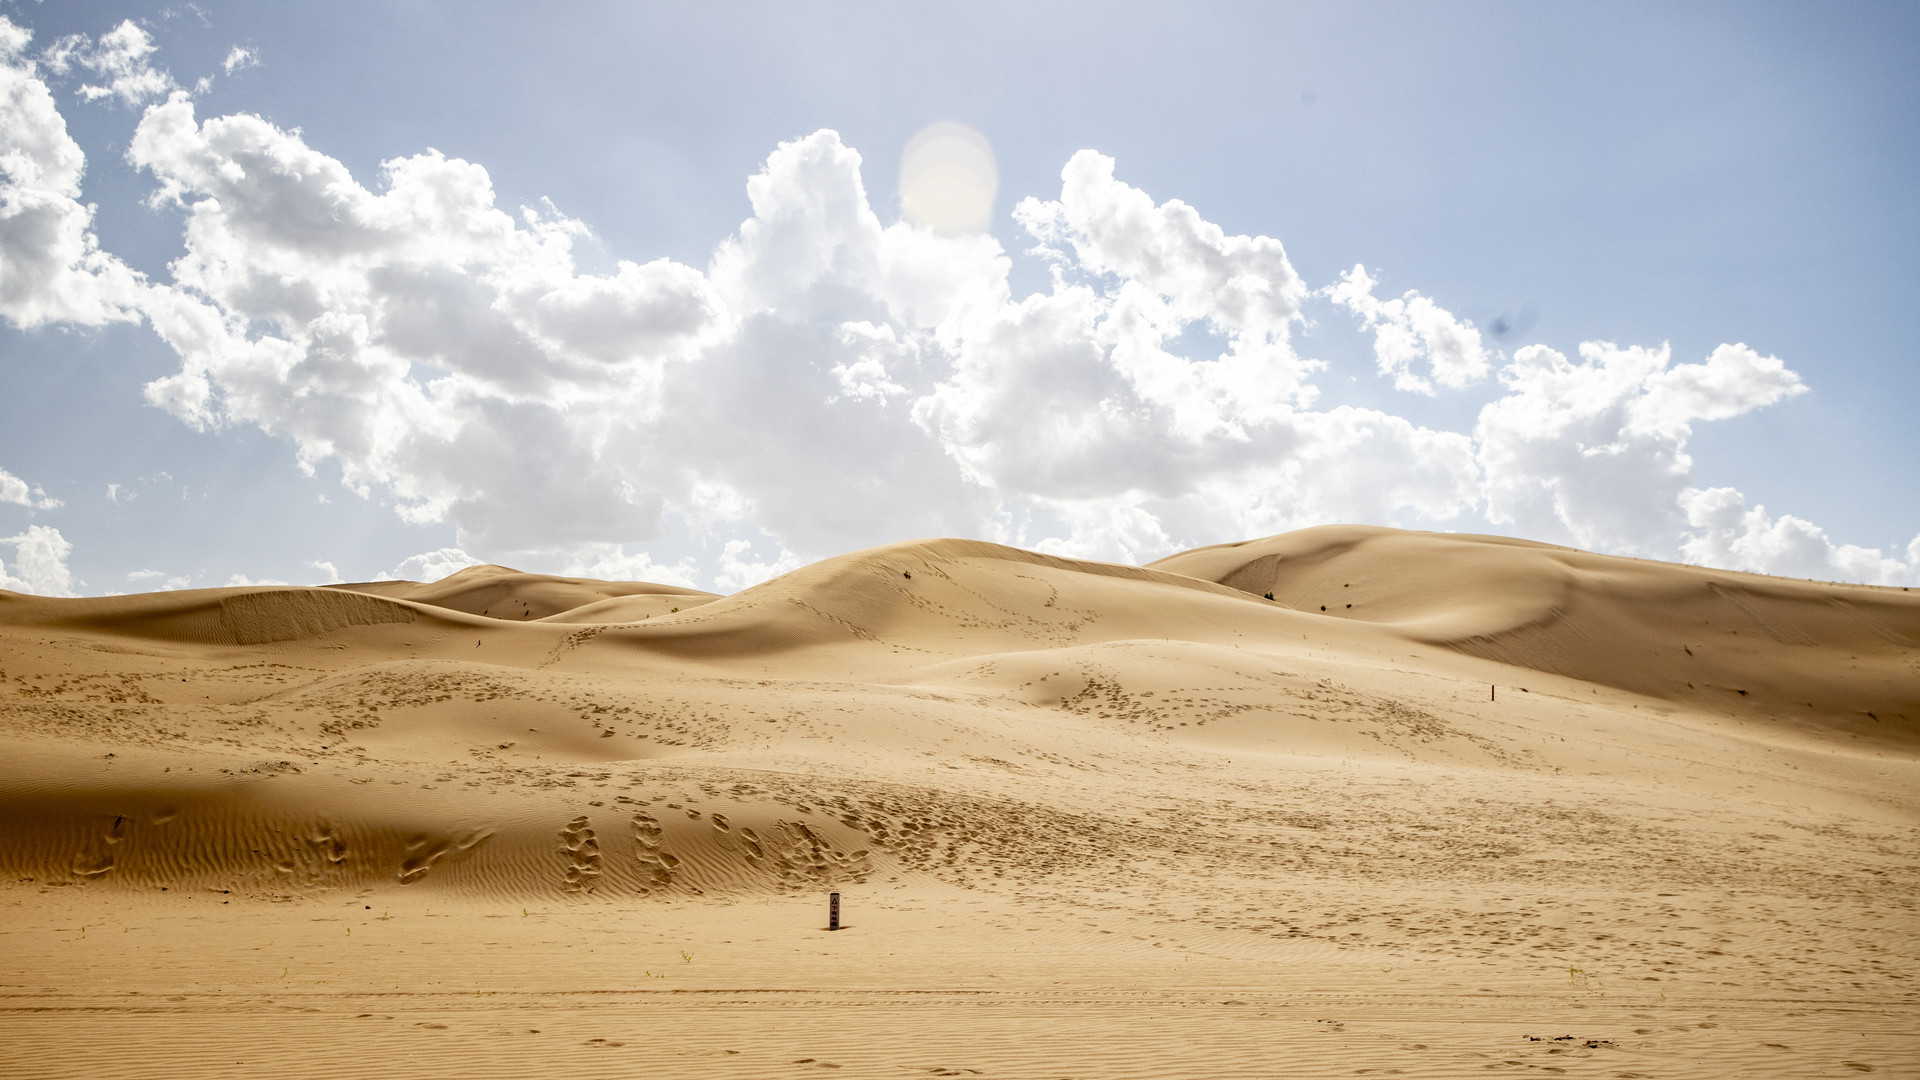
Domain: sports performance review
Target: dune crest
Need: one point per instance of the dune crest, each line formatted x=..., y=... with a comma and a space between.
x=500, y=592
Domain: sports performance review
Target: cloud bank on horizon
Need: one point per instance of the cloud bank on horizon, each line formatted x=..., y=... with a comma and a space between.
x=828, y=381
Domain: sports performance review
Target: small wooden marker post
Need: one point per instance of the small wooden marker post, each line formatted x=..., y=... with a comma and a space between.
x=833, y=911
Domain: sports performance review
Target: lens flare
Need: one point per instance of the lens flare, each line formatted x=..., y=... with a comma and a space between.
x=948, y=179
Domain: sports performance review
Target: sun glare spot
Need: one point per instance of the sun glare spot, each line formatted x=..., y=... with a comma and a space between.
x=948, y=179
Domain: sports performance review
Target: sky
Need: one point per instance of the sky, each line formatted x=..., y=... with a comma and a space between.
x=701, y=293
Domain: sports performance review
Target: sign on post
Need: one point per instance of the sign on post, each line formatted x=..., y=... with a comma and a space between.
x=833, y=911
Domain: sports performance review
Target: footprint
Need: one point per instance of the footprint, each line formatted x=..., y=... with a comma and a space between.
x=330, y=845
x=802, y=857
x=656, y=865
x=583, y=856
x=92, y=865
x=646, y=829
x=422, y=852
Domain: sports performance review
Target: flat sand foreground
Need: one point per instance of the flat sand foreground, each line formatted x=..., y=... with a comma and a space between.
x=1442, y=806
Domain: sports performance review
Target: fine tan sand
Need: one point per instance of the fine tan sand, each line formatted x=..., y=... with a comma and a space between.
x=1443, y=806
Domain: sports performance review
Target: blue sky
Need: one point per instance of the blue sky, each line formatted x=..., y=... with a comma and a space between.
x=1543, y=177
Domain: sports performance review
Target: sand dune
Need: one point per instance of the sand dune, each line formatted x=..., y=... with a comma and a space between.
x=502, y=593
x=1823, y=657
x=1443, y=805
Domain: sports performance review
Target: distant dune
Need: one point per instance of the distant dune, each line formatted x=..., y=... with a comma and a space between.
x=500, y=593
x=1427, y=784
x=1822, y=657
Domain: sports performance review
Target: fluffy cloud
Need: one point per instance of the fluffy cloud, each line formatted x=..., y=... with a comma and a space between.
x=1078, y=407
x=119, y=58
x=431, y=565
x=738, y=569
x=40, y=563
x=51, y=265
x=1078, y=392
x=1410, y=329
x=421, y=339
x=20, y=493
x=239, y=58
x=828, y=381
x=157, y=580
x=1728, y=533
x=609, y=562
x=1594, y=452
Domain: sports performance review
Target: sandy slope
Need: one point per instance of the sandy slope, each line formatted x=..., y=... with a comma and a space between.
x=1516, y=808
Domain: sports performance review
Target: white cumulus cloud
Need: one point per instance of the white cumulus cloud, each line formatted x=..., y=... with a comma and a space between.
x=158, y=580
x=1077, y=406
x=827, y=380
x=40, y=562
x=239, y=58
x=610, y=562
x=20, y=493
x=1728, y=533
x=119, y=58
x=1410, y=329
x=430, y=566
x=1594, y=452
x=51, y=265
x=739, y=569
